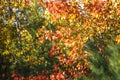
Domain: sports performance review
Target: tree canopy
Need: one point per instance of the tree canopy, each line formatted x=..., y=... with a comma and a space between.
x=60, y=39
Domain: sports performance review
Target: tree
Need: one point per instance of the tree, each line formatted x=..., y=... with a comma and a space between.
x=54, y=39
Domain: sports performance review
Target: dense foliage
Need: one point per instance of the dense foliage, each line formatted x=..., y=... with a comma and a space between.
x=60, y=40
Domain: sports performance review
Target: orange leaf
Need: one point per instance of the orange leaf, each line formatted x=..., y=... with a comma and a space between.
x=54, y=19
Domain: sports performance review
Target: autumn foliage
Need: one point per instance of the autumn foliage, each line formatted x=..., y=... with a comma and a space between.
x=52, y=40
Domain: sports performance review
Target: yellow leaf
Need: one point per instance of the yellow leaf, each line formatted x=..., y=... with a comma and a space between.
x=19, y=53
x=69, y=53
x=6, y=52
x=117, y=38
